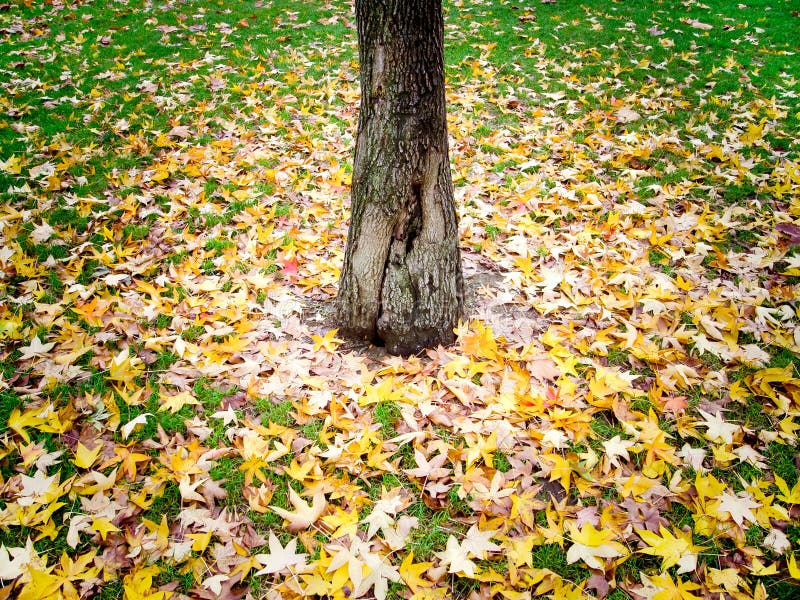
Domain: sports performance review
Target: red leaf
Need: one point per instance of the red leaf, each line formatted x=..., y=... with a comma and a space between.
x=289, y=266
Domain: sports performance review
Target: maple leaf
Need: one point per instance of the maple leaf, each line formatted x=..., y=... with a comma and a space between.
x=480, y=341
x=37, y=488
x=348, y=561
x=718, y=428
x=455, y=557
x=386, y=391
x=759, y=569
x=617, y=448
x=379, y=574
x=754, y=132
x=794, y=569
x=673, y=589
x=673, y=550
x=258, y=497
x=228, y=416
x=42, y=233
x=777, y=541
x=13, y=562
x=411, y=573
x=281, y=559
x=85, y=458
x=738, y=507
x=128, y=428
x=187, y=489
x=304, y=514
x=675, y=404
x=124, y=368
x=590, y=545
x=214, y=583
x=35, y=348
x=175, y=402
x=476, y=542
x=561, y=469
x=290, y=266
x=103, y=526
x=482, y=447
x=19, y=422
x=428, y=469
x=329, y=341
x=342, y=523
x=139, y=583
x=789, y=496
x=41, y=585
x=377, y=520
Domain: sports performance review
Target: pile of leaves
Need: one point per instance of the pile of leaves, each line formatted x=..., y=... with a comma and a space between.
x=178, y=417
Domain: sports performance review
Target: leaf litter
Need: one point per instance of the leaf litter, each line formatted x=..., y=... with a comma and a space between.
x=180, y=418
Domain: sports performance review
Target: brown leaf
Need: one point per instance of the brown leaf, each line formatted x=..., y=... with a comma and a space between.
x=790, y=230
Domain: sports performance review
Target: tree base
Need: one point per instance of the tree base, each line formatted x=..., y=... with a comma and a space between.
x=401, y=282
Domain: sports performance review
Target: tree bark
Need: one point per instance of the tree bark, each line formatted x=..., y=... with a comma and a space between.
x=401, y=282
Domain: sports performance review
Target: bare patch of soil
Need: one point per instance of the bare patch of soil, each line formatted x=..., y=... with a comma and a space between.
x=484, y=299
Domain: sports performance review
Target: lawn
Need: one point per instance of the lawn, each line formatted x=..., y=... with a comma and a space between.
x=179, y=417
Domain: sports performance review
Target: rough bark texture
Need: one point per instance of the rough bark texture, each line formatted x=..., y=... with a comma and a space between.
x=401, y=282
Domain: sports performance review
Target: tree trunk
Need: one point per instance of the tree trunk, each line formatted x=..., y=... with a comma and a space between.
x=401, y=282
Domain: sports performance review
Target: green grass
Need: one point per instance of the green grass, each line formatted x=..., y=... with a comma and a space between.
x=782, y=459
x=167, y=503
x=274, y=413
x=554, y=557
x=227, y=470
x=432, y=535
x=387, y=414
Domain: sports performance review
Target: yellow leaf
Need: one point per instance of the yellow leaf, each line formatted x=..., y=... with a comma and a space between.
x=482, y=448
x=200, y=541
x=754, y=132
x=520, y=550
x=561, y=470
x=302, y=472
x=12, y=166
x=124, y=368
x=41, y=585
x=177, y=401
x=794, y=570
x=674, y=550
x=49, y=529
x=684, y=284
x=103, y=526
x=383, y=392
x=674, y=590
x=258, y=497
x=789, y=496
x=591, y=545
x=714, y=151
x=411, y=573
x=480, y=342
x=85, y=458
x=760, y=569
x=161, y=530
x=138, y=585
x=344, y=523
x=327, y=341
x=140, y=499
x=19, y=421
